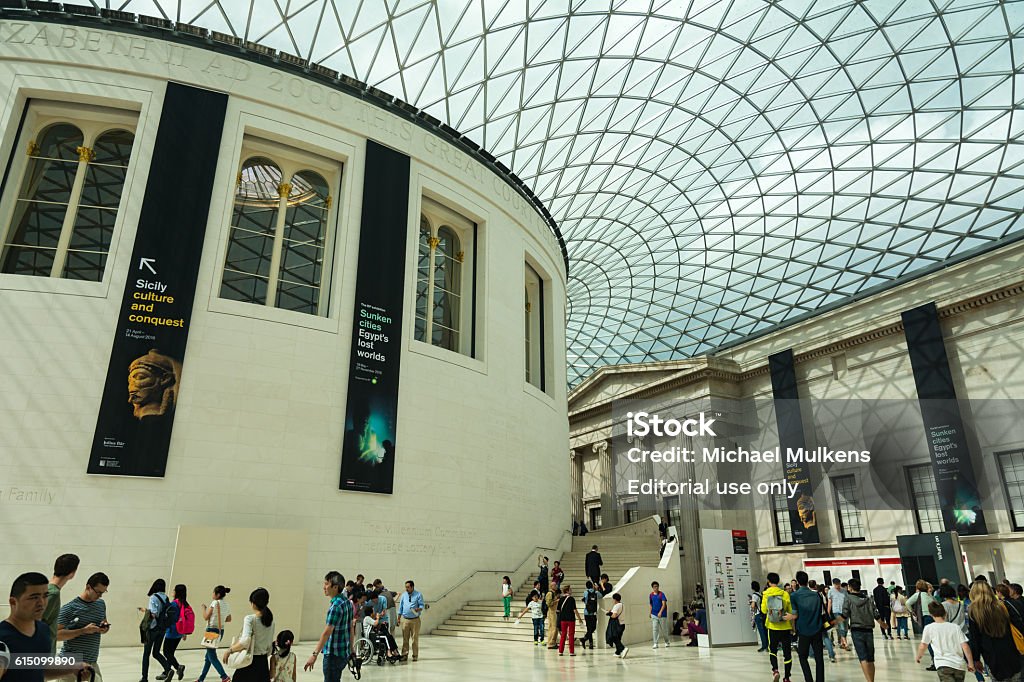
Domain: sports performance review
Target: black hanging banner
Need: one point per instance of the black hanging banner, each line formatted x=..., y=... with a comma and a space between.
x=371, y=413
x=802, y=515
x=133, y=429
x=943, y=424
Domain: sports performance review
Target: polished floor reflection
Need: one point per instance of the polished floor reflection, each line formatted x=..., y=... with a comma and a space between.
x=449, y=658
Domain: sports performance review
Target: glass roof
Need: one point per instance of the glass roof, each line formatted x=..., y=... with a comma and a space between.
x=718, y=167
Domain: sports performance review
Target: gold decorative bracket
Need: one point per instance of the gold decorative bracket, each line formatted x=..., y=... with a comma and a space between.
x=85, y=154
x=33, y=148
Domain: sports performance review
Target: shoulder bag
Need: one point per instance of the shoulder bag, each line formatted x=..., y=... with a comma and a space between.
x=212, y=635
x=147, y=617
x=241, y=659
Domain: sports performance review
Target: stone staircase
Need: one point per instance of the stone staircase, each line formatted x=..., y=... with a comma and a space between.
x=483, y=619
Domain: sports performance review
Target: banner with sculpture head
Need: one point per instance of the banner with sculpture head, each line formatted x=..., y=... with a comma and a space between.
x=136, y=413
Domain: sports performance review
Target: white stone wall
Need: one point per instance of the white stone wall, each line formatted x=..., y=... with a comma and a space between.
x=259, y=422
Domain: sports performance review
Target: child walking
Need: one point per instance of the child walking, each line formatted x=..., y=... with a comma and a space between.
x=536, y=609
x=282, y=661
x=949, y=646
x=506, y=596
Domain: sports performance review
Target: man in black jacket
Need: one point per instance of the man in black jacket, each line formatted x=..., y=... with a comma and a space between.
x=593, y=565
x=884, y=608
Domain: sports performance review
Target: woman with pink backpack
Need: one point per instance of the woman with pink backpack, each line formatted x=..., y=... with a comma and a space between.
x=184, y=624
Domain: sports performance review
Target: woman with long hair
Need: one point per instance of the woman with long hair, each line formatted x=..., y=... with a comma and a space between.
x=172, y=638
x=990, y=637
x=257, y=630
x=153, y=636
x=898, y=604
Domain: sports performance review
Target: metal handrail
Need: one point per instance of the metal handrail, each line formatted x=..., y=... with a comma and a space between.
x=498, y=571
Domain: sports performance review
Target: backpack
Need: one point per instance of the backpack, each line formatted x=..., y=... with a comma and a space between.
x=168, y=615
x=776, y=608
x=186, y=623
x=591, y=602
x=898, y=605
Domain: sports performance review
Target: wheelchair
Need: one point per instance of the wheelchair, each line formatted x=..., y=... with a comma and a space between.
x=374, y=648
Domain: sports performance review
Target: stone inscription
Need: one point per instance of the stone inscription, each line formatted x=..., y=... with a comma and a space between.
x=307, y=96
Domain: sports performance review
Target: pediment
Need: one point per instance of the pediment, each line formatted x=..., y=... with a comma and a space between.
x=614, y=381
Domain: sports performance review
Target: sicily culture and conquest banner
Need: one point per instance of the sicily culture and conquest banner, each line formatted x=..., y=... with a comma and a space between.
x=371, y=413
x=133, y=430
x=802, y=514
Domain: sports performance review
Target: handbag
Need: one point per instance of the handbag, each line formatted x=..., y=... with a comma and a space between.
x=212, y=635
x=241, y=659
x=144, y=626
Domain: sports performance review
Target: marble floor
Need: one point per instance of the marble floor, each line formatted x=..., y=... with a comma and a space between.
x=450, y=658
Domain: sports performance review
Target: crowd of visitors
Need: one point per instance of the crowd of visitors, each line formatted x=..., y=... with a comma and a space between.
x=964, y=629
x=38, y=622
x=976, y=628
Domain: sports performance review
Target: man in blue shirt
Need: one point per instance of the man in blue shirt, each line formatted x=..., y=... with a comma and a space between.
x=336, y=639
x=409, y=609
x=659, y=614
x=25, y=633
x=836, y=599
x=808, y=607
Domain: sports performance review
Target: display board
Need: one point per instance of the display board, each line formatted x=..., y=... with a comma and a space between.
x=932, y=557
x=371, y=414
x=144, y=375
x=727, y=586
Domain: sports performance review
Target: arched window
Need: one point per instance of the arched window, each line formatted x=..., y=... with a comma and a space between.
x=64, y=215
x=443, y=299
x=278, y=240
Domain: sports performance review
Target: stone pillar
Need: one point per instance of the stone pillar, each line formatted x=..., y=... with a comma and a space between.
x=691, y=560
x=576, y=482
x=646, y=503
x=610, y=515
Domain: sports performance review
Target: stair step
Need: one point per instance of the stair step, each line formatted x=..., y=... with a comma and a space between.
x=483, y=619
x=482, y=635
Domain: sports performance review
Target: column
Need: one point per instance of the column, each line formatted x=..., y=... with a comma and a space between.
x=576, y=481
x=606, y=467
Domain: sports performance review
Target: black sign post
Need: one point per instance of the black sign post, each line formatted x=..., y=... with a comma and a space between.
x=133, y=429
x=371, y=413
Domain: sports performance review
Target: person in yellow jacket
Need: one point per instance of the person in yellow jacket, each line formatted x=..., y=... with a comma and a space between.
x=551, y=599
x=775, y=606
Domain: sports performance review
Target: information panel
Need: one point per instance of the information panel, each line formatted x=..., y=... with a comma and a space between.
x=727, y=569
x=371, y=414
x=133, y=429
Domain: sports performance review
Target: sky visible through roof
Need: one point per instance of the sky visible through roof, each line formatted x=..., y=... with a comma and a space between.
x=718, y=167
